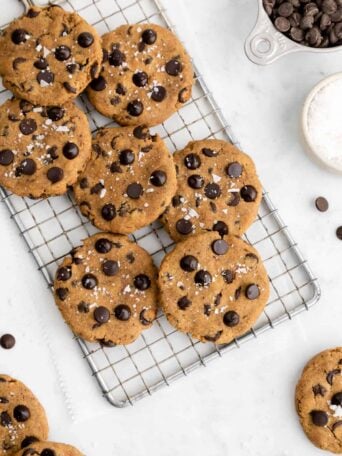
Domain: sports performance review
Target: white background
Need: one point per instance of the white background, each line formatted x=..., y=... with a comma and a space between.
x=243, y=404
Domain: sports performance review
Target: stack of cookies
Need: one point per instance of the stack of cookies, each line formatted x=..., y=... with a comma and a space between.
x=213, y=285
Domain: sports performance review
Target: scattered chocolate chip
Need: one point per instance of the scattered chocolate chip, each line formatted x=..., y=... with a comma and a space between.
x=63, y=273
x=134, y=190
x=62, y=293
x=192, y=161
x=7, y=341
x=19, y=36
x=219, y=247
x=319, y=418
x=28, y=126
x=322, y=204
x=70, y=150
x=85, y=39
x=89, y=281
x=319, y=390
x=26, y=167
x=213, y=338
x=103, y=245
x=5, y=419
x=21, y=413
x=101, y=315
x=4, y=400
x=228, y=276
x=231, y=318
x=248, y=193
x=93, y=70
x=207, y=310
x=25, y=106
x=339, y=233
x=62, y=53
x=149, y=36
x=203, y=278
x=142, y=282
x=252, y=292
x=234, y=170
x=46, y=77
x=141, y=132
x=83, y=307
x=122, y=312
x=183, y=302
x=135, y=108
x=69, y=88
x=184, y=226
x=140, y=79
x=221, y=228
x=337, y=399
x=108, y=212
x=142, y=318
x=18, y=61
x=41, y=63
x=330, y=375
x=189, y=263
x=237, y=293
x=32, y=13
x=98, y=84
x=336, y=425
x=173, y=67
x=234, y=199
x=84, y=183
x=116, y=58
x=158, y=93
x=55, y=113
x=6, y=157
x=212, y=191
x=55, y=174
x=110, y=268
x=195, y=181
x=126, y=157
x=158, y=178
x=71, y=68
x=209, y=152
x=183, y=95
x=106, y=343
x=120, y=90
x=28, y=440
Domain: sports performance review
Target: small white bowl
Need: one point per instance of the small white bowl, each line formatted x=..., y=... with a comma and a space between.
x=309, y=146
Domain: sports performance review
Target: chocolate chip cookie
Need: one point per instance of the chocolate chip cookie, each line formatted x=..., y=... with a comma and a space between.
x=48, y=56
x=106, y=289
x=49, y=449
x=42, y=148
x=22, y=418
x=129, y=180
x=213, y=287
x=218, y=189
x=319, y=400
x=146, y=75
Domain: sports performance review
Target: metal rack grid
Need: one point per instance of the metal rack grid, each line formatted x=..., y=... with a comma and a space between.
x=52, y=227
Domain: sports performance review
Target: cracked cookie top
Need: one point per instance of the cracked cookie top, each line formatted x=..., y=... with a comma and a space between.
x=49, y=55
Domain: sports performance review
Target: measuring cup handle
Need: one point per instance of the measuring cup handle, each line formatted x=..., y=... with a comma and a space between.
x=265, y=44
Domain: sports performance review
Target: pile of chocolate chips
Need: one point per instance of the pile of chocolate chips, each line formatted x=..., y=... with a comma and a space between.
x=311, y=23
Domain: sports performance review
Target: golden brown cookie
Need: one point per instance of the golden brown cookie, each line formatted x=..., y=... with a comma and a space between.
x=129, y=180
x=107, y=289
x=22, y=417
x=42, y=148
x=213, y=287
x=48, y=56
x=218, y=189
x=146, y=76
x=49, y=449
x=319, y=400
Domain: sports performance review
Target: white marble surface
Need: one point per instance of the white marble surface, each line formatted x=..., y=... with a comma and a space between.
x=243, y=404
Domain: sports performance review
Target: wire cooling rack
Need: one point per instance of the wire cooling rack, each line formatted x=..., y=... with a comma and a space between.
x=52, y=227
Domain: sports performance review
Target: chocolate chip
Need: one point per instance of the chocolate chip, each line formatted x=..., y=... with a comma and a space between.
x=319, y=418
x=231, y=318
x=141, y=132
x=89, y=281
x=336, y=425
x=21, y=413
x=62, y=53
x=220, y=247
x=192, y=161
x=209, y=152
x=28, y=126
x=214, y=338
x=4, y=400
x=134, y=190
x=173, y=67
x=63, y=273
x=28, y=440
x=98, y=84
x=69, y=88
x=110, y=268
x=158, y=178
x=83, y=307
x=19, y=36
x=55, y=174
x=330, y=375
x=184, y=226
x=234, y=170
x=126, y=157
x=140, y=79
x=101, y=314
x=116, y=58
x=103, y=245
x=70, y=150
x=322, y=204
x=282, y=24
x=62, y=293
x=234, y=199
x=189, y=263
x=122, y=312
x=55, y=113
x=135, y=108
x=120, y=90
x=221, y=228
x=339, y=233
x=337, y=399
x=143, y=320
x=47, y=452
x=41, y=63
x=149, y=36
x=285, y=9
x=203, y=278
x=71, y=68
x=93, y=70
x=108, y=212
x=237, y=293
x=32, y=13
x=248, y=193
x=228, y=276
x=142, y=282
x=18, y=61
x=115, y=101
x=183, y=95
x=45, y=76
x=85, y=39
x=252, y=292
x=5, y=419
x=6, y=157
x=7, y=341
x=212, y=191
x=176, y=201
x=183, y=302
x=319, y=390
x=96, y=189
x=195, y=181
x=26, y=167
x=158, y=93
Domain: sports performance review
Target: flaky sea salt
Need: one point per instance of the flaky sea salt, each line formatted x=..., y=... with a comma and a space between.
x=323, y=123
